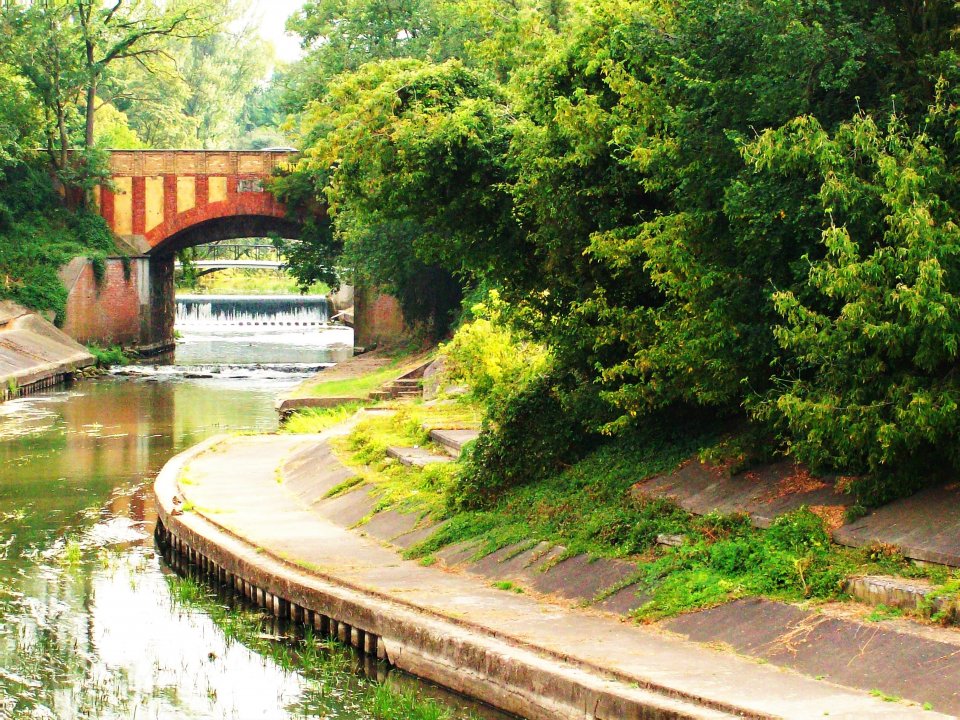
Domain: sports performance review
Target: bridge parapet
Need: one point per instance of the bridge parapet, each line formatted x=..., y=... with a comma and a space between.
x=261, y=163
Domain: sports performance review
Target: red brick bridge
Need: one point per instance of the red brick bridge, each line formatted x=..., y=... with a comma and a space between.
x=162, y=201
x=165, y=200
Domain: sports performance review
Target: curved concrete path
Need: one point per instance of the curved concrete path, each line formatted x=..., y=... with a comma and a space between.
x=522, y=654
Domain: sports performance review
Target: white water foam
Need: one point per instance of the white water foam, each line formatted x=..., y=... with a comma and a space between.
x=220, y=312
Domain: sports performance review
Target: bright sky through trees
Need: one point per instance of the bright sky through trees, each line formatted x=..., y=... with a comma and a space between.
x=272, y=16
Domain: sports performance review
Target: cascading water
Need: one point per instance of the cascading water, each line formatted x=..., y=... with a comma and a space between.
x=222, y=311
x=278, y=333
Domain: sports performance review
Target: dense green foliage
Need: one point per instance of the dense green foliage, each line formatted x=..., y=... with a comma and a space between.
x=38, y=236
x=873, y=336
x=489, y=358
x=726, y=208
x=109, y=356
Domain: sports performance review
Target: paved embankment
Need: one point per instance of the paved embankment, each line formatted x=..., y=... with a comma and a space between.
x=350, y=381
x=33, y=353
x=252, y=525
x=924, y=526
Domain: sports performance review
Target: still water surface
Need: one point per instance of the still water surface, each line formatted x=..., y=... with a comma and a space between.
x=90, y=623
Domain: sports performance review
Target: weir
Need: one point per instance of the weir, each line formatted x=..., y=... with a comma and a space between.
x=212, y=311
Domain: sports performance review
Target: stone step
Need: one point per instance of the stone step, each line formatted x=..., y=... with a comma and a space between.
x=905, y=594
x=407, y=382
x=415, y=456
x=380, y=395
x=453, y=440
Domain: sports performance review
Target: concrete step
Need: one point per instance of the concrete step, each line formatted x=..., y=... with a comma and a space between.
x=453, y=440
x=415, y=456
x=380, y=395
x=905, y=594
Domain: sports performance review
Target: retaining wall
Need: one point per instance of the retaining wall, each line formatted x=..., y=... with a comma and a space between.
x=131, y=305
x=377, y=318
x=35, y=355
x=484, y=666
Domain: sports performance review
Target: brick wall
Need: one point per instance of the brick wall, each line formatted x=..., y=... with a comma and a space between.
x=128, y=306
x=377, y=318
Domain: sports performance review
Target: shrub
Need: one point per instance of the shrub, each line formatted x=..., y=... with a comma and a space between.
x=874, y=337
x=490, y=357
x=108, y=356
x=799, y=532
x=527, y=438
x=38, y=236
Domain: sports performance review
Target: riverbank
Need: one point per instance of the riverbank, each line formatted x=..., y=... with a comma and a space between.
x=35, y=355
x=255, y=512
x=351, y=381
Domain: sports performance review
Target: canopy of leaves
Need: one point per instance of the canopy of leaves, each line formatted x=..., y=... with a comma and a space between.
x=735, y=208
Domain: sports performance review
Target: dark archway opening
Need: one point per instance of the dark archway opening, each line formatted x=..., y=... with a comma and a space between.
x=162, y=311
x=228, y=228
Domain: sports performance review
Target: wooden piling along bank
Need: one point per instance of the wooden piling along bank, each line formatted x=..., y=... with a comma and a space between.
x=183, y=558
x=12, y=392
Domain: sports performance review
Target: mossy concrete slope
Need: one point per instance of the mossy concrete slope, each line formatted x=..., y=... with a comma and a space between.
x=530, y=656
x=33, y=353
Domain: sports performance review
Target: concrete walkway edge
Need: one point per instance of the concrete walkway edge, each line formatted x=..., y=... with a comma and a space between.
x=477, y=665
x=532, y=681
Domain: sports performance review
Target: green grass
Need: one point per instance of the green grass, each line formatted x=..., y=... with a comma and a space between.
x=588, y=508
x=72, y=554
x=885, y=697
x=316, y=420
x=882, y=612
x=107, y=356
x=356, y=387
x=400, y=486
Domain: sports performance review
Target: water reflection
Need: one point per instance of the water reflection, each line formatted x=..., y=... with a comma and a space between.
x=89, y=627
x=87, y=630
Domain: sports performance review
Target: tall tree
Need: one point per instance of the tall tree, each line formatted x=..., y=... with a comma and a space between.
x=41, y=48
x=133, y=30
x=68, y=49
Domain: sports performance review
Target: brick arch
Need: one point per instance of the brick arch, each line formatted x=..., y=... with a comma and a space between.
x=226, y=227
x=161, y=200
x=236, y=205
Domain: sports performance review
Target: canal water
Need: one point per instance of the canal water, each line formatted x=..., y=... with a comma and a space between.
x=92, y=622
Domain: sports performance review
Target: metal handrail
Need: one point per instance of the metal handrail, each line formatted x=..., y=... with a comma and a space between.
x=262, y=253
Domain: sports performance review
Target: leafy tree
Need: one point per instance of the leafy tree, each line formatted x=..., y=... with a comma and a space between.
x=876, y=340
x=114, y=131
x=42, y=49
x=132, y=30
x=650, y=182
x=345, y=35
x=20, y=119
x=197, y=94
x=391, y=140
x=493, y=35
x=68, y=51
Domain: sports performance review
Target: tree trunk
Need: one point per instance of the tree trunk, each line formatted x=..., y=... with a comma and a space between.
x=91, y=112
x=64, y=139
x=91, y=95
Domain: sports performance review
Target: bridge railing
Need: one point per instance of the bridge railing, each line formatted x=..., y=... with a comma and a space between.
x=200, y=162
x=258, y=253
